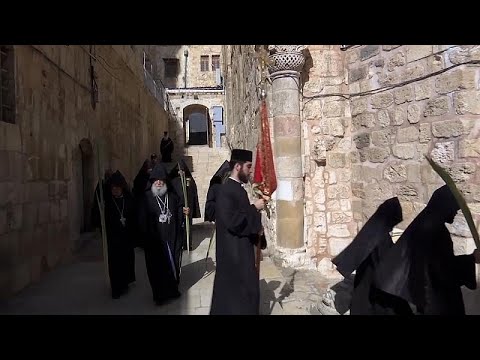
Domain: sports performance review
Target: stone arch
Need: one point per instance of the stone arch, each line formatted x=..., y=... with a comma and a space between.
x=197, y=125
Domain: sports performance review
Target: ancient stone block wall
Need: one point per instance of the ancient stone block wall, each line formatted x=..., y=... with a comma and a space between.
x=41, y=174
x=195, y=77
x=329, y=214
x=242, y=112
x=408, y=101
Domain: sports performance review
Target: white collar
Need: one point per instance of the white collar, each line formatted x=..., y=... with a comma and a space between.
x=238, y=181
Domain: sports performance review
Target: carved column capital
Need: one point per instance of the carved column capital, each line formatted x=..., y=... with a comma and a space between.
x=286, y=60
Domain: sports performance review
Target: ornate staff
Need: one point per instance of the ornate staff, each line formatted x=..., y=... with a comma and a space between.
x=101, y=208
x=185, y=198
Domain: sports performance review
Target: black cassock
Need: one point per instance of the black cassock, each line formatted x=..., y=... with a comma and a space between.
x=192, y=196
x=120, y=236
x=236, y=286
x=215, y=182
x=166, y=149
x=422, y=268
x=141, y=184
x=161, y=245
x=363, y=255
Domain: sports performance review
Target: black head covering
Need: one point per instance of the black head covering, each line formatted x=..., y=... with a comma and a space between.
x=241, y=155
x=401, y=272
x=374, y=232
x=220, y=174
x=117, y=179
x=183, y=166
x=159, y=172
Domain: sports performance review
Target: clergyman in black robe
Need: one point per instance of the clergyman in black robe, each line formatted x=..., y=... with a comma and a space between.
x=422, y=268
x=363, y=255
x=141, y=184
x=238, y=225
x=166, y=148
x=160, y=217
x=120, y=223
x=217, y=180
x=192, y=197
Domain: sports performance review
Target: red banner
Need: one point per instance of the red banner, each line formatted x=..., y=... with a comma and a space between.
x=264, y=176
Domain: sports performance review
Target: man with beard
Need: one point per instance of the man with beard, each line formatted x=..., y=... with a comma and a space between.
x=363, y=255
x=120, y=226
x=238, y=225
x=160, y=218
x=166, y=148
x=422, y=268
x=192, y=197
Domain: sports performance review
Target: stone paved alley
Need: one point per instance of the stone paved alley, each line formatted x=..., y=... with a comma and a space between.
x=80, y=288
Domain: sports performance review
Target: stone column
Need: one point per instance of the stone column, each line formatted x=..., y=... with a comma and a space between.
x=288, y=61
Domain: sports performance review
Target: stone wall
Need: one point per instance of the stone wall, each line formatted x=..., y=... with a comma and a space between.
x=195, y=77
x=329, y=212
x=408, y=101
x=242, y=111
x=180, y=102
x=41, y=175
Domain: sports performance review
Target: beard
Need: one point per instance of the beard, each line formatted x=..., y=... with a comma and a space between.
x=242, y=176
x=159, y=191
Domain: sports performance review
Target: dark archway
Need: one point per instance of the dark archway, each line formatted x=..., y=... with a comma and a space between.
x=197, y=125
x=87, y=184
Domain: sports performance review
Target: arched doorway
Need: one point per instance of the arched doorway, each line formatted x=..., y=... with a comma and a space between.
x=197, y=125
x=86, y=183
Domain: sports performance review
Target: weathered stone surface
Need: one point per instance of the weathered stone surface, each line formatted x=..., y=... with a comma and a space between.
x=443, y=152
x=340, y=191
x=407, y=192
x=407, y=134
x=382, y=100
x=425, y=133
x=359, y=106
x=334, y=109
x=363, y=120
x=404, y=151
x=469, y=148
x=417, y=52
x=396, y=61
x=362, y=140
x=413, y=113
x=340, y=217
x=413, y=71
x=357, y=190
x=399, y=116
x=457, y=79
x=389, y=47
x=369, y=51
x=338, y=230
x=423, y=90
x=378, y=190
x=336, y=160
x=436, y=107
x=357, y=74
x=377, y=155
x=383, y=118
x=413, y=173
x=381, y=138
x=461, y=172
x=447, y=128
x=467, y=102
x=395, y=173
x=336, y=127
x=403, y=94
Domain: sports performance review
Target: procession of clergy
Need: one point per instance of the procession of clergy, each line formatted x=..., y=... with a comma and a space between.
x=417, y=275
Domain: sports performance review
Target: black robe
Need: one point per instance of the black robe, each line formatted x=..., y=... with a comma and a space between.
x=363, y=255
x=166, y=149
x=236, y=286
x=215, y=183
x=422, y=268
x=120, y=239
x=141, y=184
x=162, y=248
x=192, y=196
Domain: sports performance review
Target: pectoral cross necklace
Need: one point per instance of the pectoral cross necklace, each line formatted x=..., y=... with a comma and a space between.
x=165, y=213
x=122, y=218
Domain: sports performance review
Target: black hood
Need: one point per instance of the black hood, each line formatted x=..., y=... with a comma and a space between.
x=159, y=172
x=183, y=166
x=117, y=179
